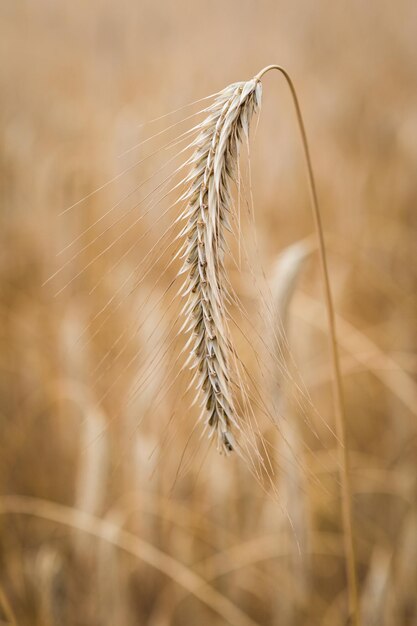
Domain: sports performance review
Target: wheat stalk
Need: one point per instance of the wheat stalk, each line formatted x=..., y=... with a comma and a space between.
x=207, y=217
x=338, y=395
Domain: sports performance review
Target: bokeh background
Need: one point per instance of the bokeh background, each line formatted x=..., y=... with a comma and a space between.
x=104, y=433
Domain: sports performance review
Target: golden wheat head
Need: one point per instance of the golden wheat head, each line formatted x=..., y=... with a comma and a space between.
x=208, y=207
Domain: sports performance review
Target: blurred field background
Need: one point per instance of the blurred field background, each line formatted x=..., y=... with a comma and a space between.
x=76, y=81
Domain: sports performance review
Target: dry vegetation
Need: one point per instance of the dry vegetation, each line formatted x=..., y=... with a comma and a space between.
x=114, y=507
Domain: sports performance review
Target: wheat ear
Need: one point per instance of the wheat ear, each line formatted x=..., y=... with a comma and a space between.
x=208, y=202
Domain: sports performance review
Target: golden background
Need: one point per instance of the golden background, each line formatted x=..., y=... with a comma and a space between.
x=76, y=81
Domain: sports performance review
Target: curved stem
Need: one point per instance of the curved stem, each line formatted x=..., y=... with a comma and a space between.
x=337, y=377
x=112, y=533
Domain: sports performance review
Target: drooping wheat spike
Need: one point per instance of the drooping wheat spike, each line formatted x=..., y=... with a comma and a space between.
x=207, y=213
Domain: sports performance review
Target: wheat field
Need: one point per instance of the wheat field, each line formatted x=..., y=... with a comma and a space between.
x=122, y=500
